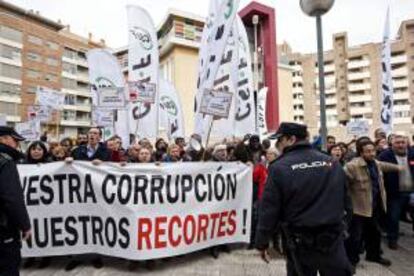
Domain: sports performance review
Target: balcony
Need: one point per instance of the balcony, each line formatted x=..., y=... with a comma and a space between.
x=362, y=98
x=400, y=72
x=77, y=61
x=404, y=107
x=402, y=96
x=359, y=76
x=359, y=87
x=76, y=122
x=400, y=83
x=298, y=90
x=360, y=110
x=78, y=107
x=403, y=120
x=77, y=92
x=8, y=99
x=399, y=59
x=297, y=79
x=327, y=68
x=11, y=43
x=15, y=62
x=13, y=119
x=298, y=101
x=10, y=80
x=358, y=64
x=298, y=112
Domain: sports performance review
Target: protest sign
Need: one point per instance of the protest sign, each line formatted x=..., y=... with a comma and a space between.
x=50, y=98
x=358, y=128
x=29, y=130
x=111, y=97
x=142, y=92
x=261, y=113
x=216, y=103
x=137, y=212
x=103, y=117
x=38, y=113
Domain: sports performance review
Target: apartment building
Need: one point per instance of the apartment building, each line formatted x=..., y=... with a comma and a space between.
x=36, y=51
x=353, y=83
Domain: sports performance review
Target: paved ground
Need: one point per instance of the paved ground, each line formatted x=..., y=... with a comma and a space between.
x=238, y=262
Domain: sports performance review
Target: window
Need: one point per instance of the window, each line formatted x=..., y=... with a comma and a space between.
x=10, y=71
x=51, y=77
x=52, y=45
x=11, y=34
x=33, y=74
x=34, y=57
x=69, y=115
x=10, y=52
x=69, y=53
x=10, y=109
x=70, y=100
x=35, y=40
x=52, y=61
x=11, y=90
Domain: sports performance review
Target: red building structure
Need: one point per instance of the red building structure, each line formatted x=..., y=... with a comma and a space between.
x=266, y=33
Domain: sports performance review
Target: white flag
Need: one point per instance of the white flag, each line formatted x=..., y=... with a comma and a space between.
x=171, y=114
x=387, y=104
x=105, y=72
x=261, y=113
x=220, y=31
x=143, y=60
x=226, y=81
x=245, y=110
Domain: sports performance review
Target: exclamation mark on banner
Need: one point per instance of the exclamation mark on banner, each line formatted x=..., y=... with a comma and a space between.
x=244, y=221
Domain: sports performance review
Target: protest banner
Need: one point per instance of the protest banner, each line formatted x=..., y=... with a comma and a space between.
x=30, y=130
x=142, y=92
x=358, y=128
x=50, y=98
x=137, y=212
x=216, y=103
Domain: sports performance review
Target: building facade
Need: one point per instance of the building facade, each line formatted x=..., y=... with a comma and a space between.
x=36, y=51
x=353, y=83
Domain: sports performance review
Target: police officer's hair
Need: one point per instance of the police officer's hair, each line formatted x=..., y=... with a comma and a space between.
x=362, y=144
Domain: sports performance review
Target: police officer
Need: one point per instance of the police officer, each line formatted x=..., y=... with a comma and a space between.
x=14, y=220
x=305, y=195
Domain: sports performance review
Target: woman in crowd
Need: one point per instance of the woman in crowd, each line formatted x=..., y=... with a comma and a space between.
x=67, y=144
x=381, y=144
x=161, y=148
x=145, y=155
x=58, y=154
x=337, y=153
x=173, y=154
x=37, y=154
x=271, y=155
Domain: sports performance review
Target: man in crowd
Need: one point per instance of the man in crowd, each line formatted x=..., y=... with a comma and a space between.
x=14, y=219
x=94, y=150
x=399, y=185
x=366, y=187
x=306, y=195
x=330, y=142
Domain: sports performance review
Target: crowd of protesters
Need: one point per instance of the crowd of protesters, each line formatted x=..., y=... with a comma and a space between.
x=380, y=176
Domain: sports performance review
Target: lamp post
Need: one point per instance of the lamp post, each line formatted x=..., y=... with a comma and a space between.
x=317, y=8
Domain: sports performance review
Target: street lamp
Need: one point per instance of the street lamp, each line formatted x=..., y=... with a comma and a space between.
x=317, y=8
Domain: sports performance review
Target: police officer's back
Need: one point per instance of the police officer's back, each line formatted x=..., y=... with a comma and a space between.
x=14, y=220
x=306, y=195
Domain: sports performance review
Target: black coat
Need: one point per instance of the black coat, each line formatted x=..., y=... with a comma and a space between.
x=81, y=153
x=13, y=214
x=305, y=188
x=392, y=179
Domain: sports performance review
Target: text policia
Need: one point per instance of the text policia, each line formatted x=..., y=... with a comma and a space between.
x=131, y=192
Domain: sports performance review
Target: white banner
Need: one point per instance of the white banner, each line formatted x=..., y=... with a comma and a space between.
x=261, y=113
x=387, y=104
x=105, y=72
x=30, y=130
x=143, y=63
x=171, y=112
x=245, y=107
x=226, y=80
x=137, y=212
x=219, y=34
x=50, y=98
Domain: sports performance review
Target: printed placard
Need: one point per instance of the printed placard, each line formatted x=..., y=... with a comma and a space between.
x=216, y=103
x=142, y=92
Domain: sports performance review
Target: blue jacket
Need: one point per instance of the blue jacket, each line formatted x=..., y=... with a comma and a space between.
x=392, y=179
x=81, y=153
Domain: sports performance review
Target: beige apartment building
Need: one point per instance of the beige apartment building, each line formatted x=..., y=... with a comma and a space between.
x=353, y=83
x=36, y=51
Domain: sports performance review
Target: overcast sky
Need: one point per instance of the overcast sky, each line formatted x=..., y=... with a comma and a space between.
x=362, y=19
